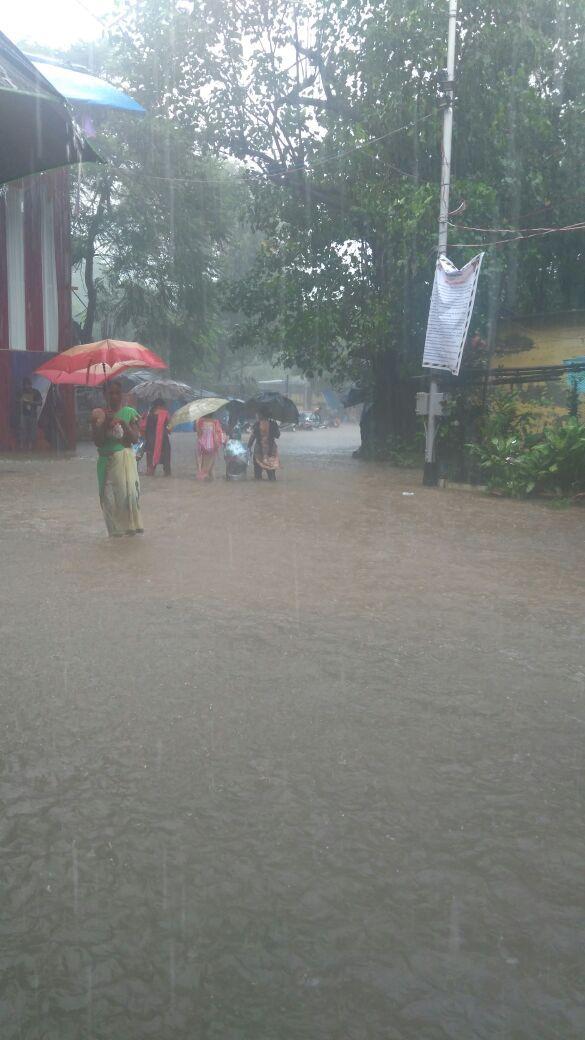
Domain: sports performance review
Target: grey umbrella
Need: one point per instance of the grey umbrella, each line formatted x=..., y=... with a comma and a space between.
x=168, y=389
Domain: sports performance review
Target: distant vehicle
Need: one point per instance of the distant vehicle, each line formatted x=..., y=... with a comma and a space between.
x=318, y=421
x=308, y=421
x=330, y=422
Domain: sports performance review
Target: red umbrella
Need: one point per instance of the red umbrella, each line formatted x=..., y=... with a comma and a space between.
x=91, y=364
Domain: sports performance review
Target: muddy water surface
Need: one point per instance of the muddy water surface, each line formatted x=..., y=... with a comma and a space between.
x=304, y=762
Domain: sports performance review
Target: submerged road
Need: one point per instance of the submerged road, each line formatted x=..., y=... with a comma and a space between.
x=304, y=762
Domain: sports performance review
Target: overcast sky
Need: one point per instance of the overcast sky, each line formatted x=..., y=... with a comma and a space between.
x=54, y=23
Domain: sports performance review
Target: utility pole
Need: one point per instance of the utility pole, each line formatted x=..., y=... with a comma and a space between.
x=431, y=476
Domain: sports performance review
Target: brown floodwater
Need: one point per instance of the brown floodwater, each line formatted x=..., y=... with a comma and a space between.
x=306, y=761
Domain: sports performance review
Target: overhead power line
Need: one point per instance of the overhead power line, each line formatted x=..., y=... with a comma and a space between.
x=277, y=174
x=518, y=237
x=498, y=230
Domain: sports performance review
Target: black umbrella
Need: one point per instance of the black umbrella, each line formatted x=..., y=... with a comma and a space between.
x=36, y=127
x=149, y=390
x=277, y=406
x=128, y=380
x=234, y=411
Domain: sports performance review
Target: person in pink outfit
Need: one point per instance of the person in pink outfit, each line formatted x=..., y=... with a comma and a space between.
x=210, y=438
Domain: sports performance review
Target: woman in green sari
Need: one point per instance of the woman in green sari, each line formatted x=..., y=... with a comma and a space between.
x=115, y=430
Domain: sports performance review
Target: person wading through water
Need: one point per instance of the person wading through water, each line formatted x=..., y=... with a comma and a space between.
x=30, y=402
x=210, y=438
x=263, y=442
x=115, y=430
x=157, y=440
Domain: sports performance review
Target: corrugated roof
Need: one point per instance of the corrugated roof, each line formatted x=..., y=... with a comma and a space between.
x=36, y=128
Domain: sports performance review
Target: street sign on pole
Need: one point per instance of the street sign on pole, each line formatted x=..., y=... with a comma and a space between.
x=431, y=476
x=450, y=313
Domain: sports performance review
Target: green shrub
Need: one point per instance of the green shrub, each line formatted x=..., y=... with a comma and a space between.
x=501, y=431
x=553, y=464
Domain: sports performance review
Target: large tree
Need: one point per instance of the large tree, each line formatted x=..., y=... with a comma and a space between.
x=332, y=109
x=156, y=229
x=152, y=247
x=313, y=96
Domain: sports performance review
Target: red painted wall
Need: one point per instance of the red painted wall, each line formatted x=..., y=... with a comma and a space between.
x=62, y=221
x=33, y=266
x=11, y=362
x=3, y=282
x=6, y=438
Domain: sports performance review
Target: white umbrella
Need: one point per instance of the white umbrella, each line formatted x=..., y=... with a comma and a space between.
x=196, y=409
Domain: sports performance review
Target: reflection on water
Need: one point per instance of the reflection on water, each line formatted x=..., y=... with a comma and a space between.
x=306, y=762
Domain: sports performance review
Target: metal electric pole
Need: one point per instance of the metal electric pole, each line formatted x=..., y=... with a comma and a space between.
x=431, y=476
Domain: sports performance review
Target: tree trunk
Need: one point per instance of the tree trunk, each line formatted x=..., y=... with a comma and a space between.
x=392, y=416
x=87, y=330
x=392, y=413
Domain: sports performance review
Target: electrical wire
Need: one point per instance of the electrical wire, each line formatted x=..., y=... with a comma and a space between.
x=493, y=230
x=98, y=18
x=548, y=205
x=519, y=238
x=285, y=170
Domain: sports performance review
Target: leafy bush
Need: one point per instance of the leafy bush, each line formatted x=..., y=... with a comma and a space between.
x=553, y=464
x=459, y=424
x=506, y=417
x=500, y=431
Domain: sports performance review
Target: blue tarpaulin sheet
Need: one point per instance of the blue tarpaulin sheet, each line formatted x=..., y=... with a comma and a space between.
x=332, y=400
x=83, y=88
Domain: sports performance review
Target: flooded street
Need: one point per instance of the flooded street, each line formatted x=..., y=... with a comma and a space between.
x=304, y=762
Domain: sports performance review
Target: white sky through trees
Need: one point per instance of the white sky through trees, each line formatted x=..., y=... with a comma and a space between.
x=55, y=23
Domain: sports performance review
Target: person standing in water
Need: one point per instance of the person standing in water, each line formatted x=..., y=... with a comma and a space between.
x=210, y=438
x=157, y=440
x=115, y=430
x=265, y=434
x=29, y=402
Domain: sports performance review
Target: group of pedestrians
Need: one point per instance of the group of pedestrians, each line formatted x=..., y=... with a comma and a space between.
x=116, y=430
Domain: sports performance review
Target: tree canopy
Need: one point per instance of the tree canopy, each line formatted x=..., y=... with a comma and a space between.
x=159, y=232
x=330, y=112
x=337, y=105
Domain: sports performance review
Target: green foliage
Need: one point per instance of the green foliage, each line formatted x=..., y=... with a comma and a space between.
x=462, y=409
x=160, y=232
x=459, y=425
x=502, y=429
x=552, y=465
x=505, y=417
x=330, y=110
x=309, y=96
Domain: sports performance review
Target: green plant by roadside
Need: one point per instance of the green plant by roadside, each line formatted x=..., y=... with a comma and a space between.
x=520, y=465
x=466, y=421
x=459, y=425
x=505, y=417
